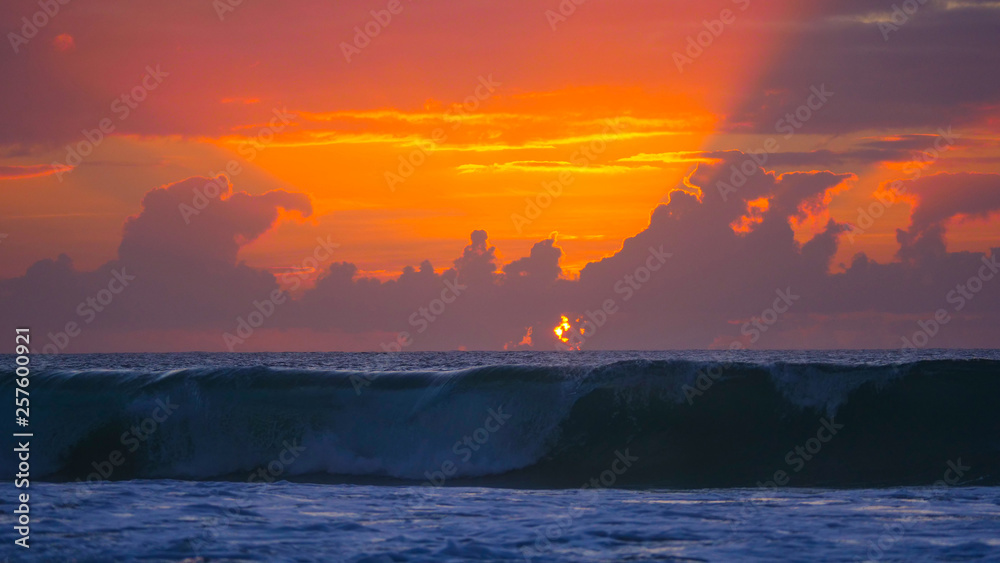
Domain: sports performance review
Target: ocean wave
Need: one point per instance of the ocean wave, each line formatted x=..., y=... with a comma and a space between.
x=679, y=423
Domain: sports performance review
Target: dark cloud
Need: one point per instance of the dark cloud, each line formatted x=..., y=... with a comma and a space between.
x=940, y=198
x=175, y=270
x=925, y=72
x=868, y=152
x=689, y=280
x=542, y=263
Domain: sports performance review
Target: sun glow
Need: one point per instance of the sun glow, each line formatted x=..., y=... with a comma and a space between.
x=562, y=329
x=564, y=332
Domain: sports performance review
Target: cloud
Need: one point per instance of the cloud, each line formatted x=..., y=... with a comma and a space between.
x=549, y=167
x=923, y=70
x=180, y=221
x=172, y=271
x=542, y=263
x=688, y=280
x=943, y=196
x=866, y=154
x=30, y=171
x=938, y=199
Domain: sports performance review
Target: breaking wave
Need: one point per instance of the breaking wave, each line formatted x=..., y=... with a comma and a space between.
x=639, y=423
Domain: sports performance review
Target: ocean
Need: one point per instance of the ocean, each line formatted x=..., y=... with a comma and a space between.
x=526, y=456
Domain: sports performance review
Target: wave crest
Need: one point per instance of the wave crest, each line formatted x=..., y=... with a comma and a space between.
x=688, y=423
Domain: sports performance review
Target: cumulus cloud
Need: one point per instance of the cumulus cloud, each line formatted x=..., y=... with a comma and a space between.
x=943, y=196
x=542, y=263
x=173, y=270
x=688, y=280
x=201, y=221
x=478, y=262
x=937, y=199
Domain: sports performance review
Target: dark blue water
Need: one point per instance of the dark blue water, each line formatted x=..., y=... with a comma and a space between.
x=841, y=456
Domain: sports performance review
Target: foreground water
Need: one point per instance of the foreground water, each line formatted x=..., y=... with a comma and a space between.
x=174, y=520
x=803, y=456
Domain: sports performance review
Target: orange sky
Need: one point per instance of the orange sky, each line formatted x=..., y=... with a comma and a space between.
x=582, y=102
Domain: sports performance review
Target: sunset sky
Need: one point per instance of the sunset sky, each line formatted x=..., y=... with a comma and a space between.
x=397, y=130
